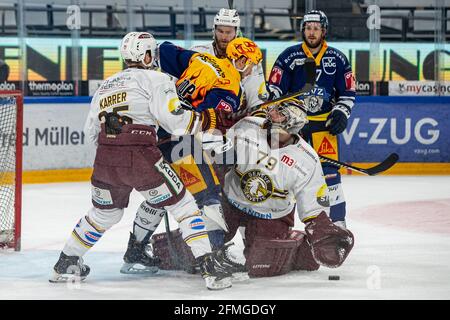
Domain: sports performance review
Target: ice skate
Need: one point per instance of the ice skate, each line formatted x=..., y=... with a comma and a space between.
x=69, y=269
x=217, y=275
x=137, y=260
x=235, y=264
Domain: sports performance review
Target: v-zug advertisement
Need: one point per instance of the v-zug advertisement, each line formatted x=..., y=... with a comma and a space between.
x=417, y=130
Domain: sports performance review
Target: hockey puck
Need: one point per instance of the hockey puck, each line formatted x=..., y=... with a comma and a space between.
x=334, y=278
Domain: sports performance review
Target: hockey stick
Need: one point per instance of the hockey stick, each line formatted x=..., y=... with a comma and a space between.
x=176, y=260
x=173, y=254
x=379, y=168
x=309, y=70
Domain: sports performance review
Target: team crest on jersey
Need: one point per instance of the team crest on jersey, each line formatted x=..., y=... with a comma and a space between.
x=276, y=75
x=256, y=186
x=329, y=65
x=314, y=103
x=315, y=98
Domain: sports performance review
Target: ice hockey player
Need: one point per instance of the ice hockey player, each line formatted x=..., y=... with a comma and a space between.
x=329, y=103
x=124, y=117
x=226, y=27
x=205, y=82
x=276, y=174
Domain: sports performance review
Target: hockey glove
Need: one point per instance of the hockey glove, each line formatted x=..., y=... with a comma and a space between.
x=216, y=119
x=114, y=122
x=330, y=243
x=336, y=122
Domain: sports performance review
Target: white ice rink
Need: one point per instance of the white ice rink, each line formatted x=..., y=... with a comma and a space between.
x=402, y=249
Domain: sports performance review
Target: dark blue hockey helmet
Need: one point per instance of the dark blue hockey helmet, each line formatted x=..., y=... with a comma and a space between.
x=315, y=16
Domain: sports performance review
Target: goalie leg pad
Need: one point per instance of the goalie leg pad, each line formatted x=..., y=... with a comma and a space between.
x=268, y=249
x=184, y=259
x=267, y=229
x=271, y=257
x=303, y=258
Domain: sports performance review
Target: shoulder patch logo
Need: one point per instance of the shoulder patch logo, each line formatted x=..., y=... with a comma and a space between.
x=350, y=81
x=225, y=106
x=276, y=75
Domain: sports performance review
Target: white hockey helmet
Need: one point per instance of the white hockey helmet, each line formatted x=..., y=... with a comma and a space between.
x=295, y=115
x=135, y=45
x=227, y=17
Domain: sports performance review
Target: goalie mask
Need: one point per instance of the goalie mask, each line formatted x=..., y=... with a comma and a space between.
x=135, y=45
x=244, y=47
x=293, y=112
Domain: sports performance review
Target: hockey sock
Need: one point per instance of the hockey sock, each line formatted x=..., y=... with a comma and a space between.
x=146, y=221
x=216, y=238
x=194, y=233
x=84, y=236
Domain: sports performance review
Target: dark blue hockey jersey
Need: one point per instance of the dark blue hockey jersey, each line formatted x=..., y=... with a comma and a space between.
x=335, y=82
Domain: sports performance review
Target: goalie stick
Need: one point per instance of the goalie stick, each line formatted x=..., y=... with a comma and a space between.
x=379, y=168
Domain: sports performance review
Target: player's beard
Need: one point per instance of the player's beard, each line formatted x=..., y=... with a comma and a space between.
x=221, y=47
x=315, y=44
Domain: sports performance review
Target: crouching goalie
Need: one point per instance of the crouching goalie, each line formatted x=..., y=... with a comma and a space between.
x=275, y=174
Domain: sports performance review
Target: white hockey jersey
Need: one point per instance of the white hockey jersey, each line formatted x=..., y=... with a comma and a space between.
x=145, y=96
x=268, y=183
x=253, y=86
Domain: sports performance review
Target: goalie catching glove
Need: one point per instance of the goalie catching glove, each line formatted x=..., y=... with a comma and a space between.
x=330, y=243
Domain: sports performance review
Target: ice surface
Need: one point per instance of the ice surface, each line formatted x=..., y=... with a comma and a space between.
x=402, y=249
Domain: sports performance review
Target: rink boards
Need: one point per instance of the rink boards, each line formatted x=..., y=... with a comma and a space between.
x=417, y=128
